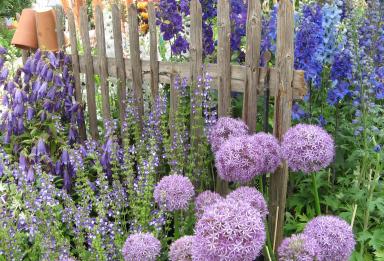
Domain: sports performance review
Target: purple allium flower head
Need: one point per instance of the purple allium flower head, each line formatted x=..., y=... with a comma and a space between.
x=224, y=129
x=229, y=230
x=181, y=249
x=334, y=237
x=141, y=247
x=308, y=148
x=174, y=192
x=205, y=200
x=239, y=160
x=251, y=196
x=299, y=247
x=270, y=150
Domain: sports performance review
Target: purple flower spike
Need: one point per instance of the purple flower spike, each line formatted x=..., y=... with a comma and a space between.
x=30, y=113
x=299, y=247
x=30, y=175
x=251, y=196
x=204, y=200
x=3, y=74
x=141, y=247
x=2, y=50
x=224, y=129
x=270, y=149
x=174, y=193
x=239, y=160
x=41, y=150
x=229, y=230
x=308, y=148
x=334, y=237
x=181, y=249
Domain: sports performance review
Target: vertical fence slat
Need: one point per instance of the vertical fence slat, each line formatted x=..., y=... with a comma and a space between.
x=102, y=62
x=252, y=63
x=91, y=94
x=224, y=69
x=120, y=65
x=134, y=44
x=173, y=106
x=154, y=63
x=283, y=110
x=76, y=69
x=60, y=27
x=196, y=51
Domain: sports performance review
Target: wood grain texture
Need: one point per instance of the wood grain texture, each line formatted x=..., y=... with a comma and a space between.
x=102, y=62
x=90, y=81
x=283, y=111
x=173, y=106
x=59, y=15
x=224, y=70
x=252, y=61
x=184, y=70
x=196, y=63
x=134, y=45
x=120, y=64
x=154, y=63
x=76, y=70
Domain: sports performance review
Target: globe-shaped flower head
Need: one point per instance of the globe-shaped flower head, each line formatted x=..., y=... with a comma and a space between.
x=229, y=230
x=204, y=200
x=174, y=193
x=251, y=196
x=270, y=150
x=334, y=237
x=299, y=247
x=308, y=148
x=181, y=249
x=141, y=247
x=239, y=160
x=224, y=129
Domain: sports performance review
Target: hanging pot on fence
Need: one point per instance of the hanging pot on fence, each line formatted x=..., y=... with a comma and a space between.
x=46, y=29
x=25, y=36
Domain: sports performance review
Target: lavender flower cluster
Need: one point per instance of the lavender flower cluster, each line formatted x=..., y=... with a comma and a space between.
x=324, y=238
x=239, y=156
x=174, y=192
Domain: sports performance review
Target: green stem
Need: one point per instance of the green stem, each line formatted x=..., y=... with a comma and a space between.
x=316, y=195
x=176, y=224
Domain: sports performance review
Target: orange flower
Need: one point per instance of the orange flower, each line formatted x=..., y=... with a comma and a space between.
x=144, y=16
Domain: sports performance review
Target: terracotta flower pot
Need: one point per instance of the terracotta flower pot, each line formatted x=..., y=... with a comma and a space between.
x=46, y=29
x=25, y=36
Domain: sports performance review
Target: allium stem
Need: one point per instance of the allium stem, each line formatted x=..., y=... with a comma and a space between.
x=316, y=195
x=176, y=224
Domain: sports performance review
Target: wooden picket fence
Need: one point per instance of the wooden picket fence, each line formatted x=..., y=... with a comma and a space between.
x=282, y=82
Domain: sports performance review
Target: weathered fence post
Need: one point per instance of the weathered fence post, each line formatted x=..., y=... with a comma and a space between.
x=252, y=61
x=153, y=50
x=120, y=64
x=283, y=110
x=134, y=47
x=59, y=14
x=89, y=74
x=102, y=62
x=224, y=69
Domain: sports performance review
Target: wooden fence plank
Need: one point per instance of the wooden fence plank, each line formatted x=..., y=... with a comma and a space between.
x=173, y=106
x=134, y=44
x=120, y=65
x=196, y=52
x=91, y=94
x=103, y=62
x=224, y=70
x=183, y=69
x=59, y=14
x=283, y=110
x=76, y=70
x=252, y=60
x=154, y=63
